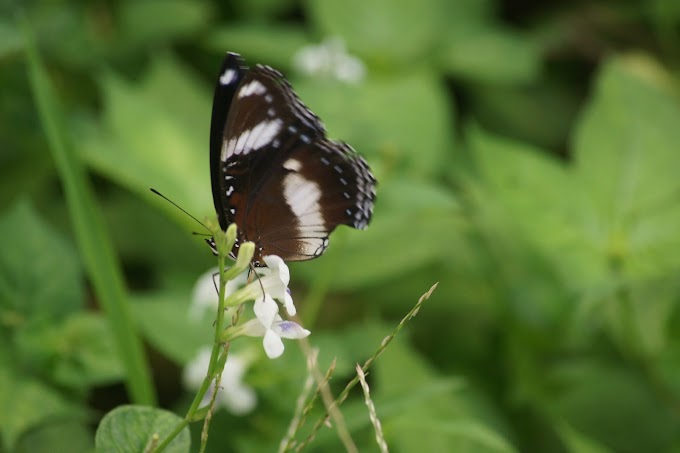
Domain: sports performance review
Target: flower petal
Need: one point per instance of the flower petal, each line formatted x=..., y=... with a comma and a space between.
x=205, y=296
x=238, y=399
x=266, y=309
x=290, y=330
x=253, y=328
x=288, y=303
x=273, y=346
x=194, y=371
x=278, y=267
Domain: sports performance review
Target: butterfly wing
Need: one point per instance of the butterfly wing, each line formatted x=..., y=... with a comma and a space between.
x=280, y=179
x=231, y=73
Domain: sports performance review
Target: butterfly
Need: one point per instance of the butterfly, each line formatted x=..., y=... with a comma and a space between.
x=275, y=173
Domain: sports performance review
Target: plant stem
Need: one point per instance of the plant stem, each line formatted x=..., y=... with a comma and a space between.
x=212, y=373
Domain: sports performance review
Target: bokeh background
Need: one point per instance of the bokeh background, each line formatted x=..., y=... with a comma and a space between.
x=528, y=160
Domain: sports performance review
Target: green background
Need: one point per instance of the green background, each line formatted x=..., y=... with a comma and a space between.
x=528, y=159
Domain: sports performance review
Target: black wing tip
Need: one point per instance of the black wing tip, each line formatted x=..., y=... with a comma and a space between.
x=233, y=57
x=233, y=61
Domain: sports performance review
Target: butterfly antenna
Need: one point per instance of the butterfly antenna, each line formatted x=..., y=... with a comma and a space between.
x=252, y=271
x=178, y=207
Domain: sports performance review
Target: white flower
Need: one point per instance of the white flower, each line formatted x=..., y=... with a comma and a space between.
x=269, y=286
x=275, y=283
x=237, y=397
x=329, y=59
x=274, y=331
x=204, y=297
x=274, y=280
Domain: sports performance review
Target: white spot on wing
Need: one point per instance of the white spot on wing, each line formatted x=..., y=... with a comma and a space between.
x=303, y=196
x=241, y=142
x=254, y=87
x=252, y=139
x=292, y=164
x=262, y=134
x=227, y=77
x=227, y=149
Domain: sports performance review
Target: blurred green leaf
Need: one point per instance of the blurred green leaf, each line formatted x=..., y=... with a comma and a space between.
x=87, y=353
x=26, y=403
x=59, y=435
x=145, y=21
x=538, y=197
x=404, y=235
x=350, y=345
x=10, y=39
x=133, y=428
x=405, y=119
x=40, y=276
x=385, y=31
x=154, y=140
x=162, y=314
x=443, y=422
x=75, y=354
x=626, y=154
x=273, y=44
x=578, y=443
x=490, y=55
x=611, y=405
x=264, y=10
x=512, y=110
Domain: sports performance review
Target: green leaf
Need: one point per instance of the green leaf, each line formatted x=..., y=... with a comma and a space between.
x=76, y=353
x=448, y=419
x=391, y=31
x=274, y=44
x=404, y=235
x=134, y=428
x=162, y=315
x=40, y=278
x=150, y=138
x=405, y=118
x=611, y=405
x=26, y=403
x=491, y=55
x=148, y=20
x=527, y=193
x=626, y=151
x=350, y=345
x=87, y=352
x=10, y=39
x=265, y=10
x=172, y=140
x=577, y=442
x=511, y=110
x=57, y=435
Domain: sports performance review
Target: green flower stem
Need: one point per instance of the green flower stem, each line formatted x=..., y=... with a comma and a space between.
x=220, y=350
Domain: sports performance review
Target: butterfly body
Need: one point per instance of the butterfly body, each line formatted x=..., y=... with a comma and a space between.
x=273, y=171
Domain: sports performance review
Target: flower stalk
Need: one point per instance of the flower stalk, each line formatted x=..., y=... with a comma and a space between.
x=267, y=288
x=224, y=241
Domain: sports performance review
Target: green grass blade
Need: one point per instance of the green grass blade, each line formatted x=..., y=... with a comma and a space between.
x=92, y=238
